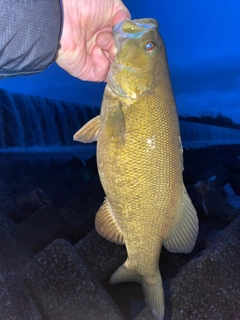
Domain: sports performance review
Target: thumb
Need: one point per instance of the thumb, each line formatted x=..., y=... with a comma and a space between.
x=120, y=13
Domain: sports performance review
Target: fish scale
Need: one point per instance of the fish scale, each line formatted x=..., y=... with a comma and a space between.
x=139, y=157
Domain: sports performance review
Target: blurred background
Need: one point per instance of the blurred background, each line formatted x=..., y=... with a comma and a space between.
x=203, y=47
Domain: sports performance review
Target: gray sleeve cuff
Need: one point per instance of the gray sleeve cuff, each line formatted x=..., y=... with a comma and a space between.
x=29, y=36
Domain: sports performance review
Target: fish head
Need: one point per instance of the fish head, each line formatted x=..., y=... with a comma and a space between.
x=140, y=53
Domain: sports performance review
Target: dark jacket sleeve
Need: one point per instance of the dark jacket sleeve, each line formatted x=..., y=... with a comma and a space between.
x=29, y=35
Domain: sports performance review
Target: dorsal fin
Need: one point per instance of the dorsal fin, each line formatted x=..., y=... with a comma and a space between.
x=106, y=224
x=184, y=234
x=88, y=133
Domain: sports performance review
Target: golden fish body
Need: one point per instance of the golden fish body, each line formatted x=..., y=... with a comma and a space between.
x=139, y=155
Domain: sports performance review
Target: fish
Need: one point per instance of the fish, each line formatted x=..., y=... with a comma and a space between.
x=140, y=160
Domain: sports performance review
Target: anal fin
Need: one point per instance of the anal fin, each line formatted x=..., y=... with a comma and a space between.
x=124, y=274
x=106, y=224
x=184, y=233
x=89, y=132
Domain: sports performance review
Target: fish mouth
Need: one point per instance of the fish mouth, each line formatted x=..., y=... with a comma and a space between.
x=123, y=31
x=128, y=29
x=119, y=66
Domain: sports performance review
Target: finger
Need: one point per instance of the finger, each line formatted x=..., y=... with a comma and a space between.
x=121, y=13
x=112, y=52
x=100, y=65
x=104, y=40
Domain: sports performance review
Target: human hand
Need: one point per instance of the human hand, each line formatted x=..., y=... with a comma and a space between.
x=87, y=45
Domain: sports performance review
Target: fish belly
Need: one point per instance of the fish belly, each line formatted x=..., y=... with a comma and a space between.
x=141, y=175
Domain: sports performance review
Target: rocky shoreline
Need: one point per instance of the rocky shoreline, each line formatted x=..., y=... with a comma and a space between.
x=53, y=264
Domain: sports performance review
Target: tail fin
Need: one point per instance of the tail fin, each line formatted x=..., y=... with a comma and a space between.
x=152, y=288
x=154, y=295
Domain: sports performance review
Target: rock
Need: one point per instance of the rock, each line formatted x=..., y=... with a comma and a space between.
x=196, y=197
x=235, y=183
x=197, y=170
x=101, y=256
x=234, y=315
x=213, y=204
x=26, y=184
x=75, y=164
x=21, y=168
x=76, y=216
x=41, y=228
x=7, y=182
x=128, y=297
x=84, y=174
x=219, y=208
x=7, y=197
x=60, y=283
x=15, y=302
x=147, y=315
x=232, y=198
x=96, y=199
x=68, y=178
x=209, y=286
x=91, y=163
x=50, y=177
x=7, y=204
x=58, y=193
x=13, y=251
x=200, y=164
x=222, y=176
x=85, y=189
x=232, y=163
x=29, y=203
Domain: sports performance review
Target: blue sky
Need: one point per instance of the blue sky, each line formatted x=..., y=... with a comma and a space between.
x=203, y=45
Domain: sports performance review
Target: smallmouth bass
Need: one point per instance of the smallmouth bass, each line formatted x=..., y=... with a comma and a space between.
x=140, y=161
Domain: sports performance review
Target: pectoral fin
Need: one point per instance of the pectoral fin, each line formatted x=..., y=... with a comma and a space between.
x=106, y=224
x=181, y=150
x=185, y=231
x=115, y=124
x=89, y=132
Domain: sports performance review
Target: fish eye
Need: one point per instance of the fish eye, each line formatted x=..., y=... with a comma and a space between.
x=150, y=46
